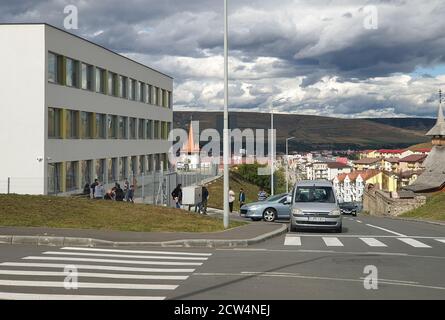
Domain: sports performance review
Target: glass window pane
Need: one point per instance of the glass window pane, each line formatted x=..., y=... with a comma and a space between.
x=141, y=129
x=100, y=84
x=111, y=126
x=149, y=129
x=133, y=128
x=52, y=68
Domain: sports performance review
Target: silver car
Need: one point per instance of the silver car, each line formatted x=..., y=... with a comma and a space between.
x=273, y=208
x=314, y=206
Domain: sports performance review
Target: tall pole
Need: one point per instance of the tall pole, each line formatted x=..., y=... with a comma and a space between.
x=272, y=156
x=287, y=163
x=226, y=145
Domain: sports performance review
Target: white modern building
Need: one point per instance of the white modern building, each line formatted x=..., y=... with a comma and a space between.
x=73, y=111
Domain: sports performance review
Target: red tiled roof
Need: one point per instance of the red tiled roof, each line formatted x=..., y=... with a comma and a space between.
x=393, y=160
x=337, y=165
x=391, y=151
x=367, y=161
x=414, y=158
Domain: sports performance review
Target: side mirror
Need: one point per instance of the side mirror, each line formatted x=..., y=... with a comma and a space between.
x=288, y=199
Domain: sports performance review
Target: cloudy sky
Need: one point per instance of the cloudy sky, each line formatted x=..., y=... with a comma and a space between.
x=344, y=58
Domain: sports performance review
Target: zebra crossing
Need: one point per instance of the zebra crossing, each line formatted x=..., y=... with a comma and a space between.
x=101, y=274
x=369, y=241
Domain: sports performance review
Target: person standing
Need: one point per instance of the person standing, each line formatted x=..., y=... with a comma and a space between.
x=231, y=199
x=177, y=196
x=242, y=197
x=205, y=198
x=93, y=188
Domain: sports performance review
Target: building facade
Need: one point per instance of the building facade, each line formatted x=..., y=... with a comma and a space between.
x=75, y=111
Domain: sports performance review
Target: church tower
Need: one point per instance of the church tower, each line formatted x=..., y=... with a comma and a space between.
x=438, y=131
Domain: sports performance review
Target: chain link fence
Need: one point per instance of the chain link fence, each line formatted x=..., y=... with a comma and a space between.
x=151, y=188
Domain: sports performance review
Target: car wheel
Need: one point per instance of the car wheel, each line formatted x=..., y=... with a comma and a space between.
x=269, y=215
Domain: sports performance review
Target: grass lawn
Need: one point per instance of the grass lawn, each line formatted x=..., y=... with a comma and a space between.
x=236, y=182
x=81, y=213
x=434, y=209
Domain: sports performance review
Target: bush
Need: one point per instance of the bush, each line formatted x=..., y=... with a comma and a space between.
x=249, y=172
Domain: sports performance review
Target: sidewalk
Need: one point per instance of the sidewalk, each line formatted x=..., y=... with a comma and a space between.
x=237, y=237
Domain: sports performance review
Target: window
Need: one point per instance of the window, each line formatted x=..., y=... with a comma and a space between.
x=112, y=127
x=54, y=120
x=54, y=176
x=87, y=77
x=141, y=164
x=170, y=100
x=165, y=162
x=112, y=167
x=156, y=129
x=150, y=162
x=100, y=169
x=149, y=94
x=85, y=170
x=86, y=125
x=123, y=87
x=100, y=80
x=132, y=89
x=157, y=164
x=123, y=162
x=149, y=129
x=72, y=72
x=314, y=194
x=101, y=127
x=71, y=176
x=142, y=92
x=112, y=84
x=155, y=96
x=54, y=67
x=141, y=129
x=123, y=123
x=159, y=93
x=137, y=95
x=72, y=124
x=133, y=165
x=132, y=128
x=164, y=98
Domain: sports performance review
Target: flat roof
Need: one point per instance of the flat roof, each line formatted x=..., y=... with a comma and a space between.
x=74, y=35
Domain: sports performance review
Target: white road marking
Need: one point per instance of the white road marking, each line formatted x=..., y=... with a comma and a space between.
x=292, y=241
x=441, y=240
x=31, y=296
x=94, y=267
x=393, y=232
x=332, y=242
x=372, y=242
x=414, y=243
x=138, y=251
x=122, y=256
x=166, y=263
x=389, y=282
x=359, y=221
x=92, y=275
x=89, y=285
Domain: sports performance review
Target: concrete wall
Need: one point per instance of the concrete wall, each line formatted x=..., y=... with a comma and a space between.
x=22, y=121
x=380, y=203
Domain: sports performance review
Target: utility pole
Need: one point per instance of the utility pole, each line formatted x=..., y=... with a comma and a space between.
x=226, y=144
x=287, y=163
x=272, y=156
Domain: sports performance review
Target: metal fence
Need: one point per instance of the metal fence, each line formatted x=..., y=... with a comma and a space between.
x=152, y=188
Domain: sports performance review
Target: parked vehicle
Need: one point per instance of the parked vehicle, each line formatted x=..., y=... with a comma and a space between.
x=314, y=206
x=348, y=208
x=273, y=208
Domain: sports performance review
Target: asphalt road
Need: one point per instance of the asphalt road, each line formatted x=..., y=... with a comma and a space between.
x=409, y=258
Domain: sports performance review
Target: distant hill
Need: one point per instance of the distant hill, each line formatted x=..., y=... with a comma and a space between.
x=311, y=132
x=417, y=124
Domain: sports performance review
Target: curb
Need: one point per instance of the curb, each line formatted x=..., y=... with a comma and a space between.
x=416, y=220
x=90, y=242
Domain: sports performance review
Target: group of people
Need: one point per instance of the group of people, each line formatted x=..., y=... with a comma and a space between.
x=96, y=190
x=201, y=207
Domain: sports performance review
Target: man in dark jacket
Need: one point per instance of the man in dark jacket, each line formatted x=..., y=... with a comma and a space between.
x=177, y=196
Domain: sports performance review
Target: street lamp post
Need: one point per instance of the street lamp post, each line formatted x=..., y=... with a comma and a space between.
x=287, y=163
x=272, y=156
x=226, y=119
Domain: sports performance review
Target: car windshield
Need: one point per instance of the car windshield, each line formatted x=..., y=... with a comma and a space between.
x=275, y=198
x=314, y=194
